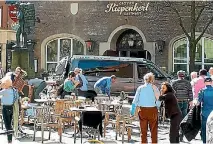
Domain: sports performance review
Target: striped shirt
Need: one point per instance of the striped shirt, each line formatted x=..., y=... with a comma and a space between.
x=183, y=89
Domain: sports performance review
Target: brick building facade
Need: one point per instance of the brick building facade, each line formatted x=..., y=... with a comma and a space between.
x=69, y=24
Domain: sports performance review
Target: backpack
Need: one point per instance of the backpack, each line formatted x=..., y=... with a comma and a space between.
x=60, y=90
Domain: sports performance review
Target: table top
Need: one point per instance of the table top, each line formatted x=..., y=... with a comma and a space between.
x=130, y=97
x=111, y=103
x=44, y=100
x=85, y=109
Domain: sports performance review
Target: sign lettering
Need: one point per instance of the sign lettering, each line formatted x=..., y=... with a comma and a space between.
x=127, y=8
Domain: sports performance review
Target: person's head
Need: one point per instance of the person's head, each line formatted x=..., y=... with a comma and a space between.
x=113, y=78
x=203, y=72
x=6, y=82
x=149, y=78
x=166, y=87
x=211, y=71
x=76, y=71
x=193, y=75
x=71, y=75
x=18, y=71
x=208, y=80
x=81, y=71
x=181, y=74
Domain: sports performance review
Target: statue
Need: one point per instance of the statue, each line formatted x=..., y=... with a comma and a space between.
x=21, y=31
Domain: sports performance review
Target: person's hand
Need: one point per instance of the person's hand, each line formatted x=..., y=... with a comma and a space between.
x=191, y=104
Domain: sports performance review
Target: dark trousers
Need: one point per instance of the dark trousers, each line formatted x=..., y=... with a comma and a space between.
x=183, y=105
x=203, y=128
x=65, y=93
x=7, y=112
x=148, y=116
x=174, y=128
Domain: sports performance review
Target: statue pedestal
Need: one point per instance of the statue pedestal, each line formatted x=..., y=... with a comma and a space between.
x=22, y=58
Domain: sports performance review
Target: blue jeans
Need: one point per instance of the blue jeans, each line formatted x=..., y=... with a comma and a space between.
x=203, y=128
x=183, y=105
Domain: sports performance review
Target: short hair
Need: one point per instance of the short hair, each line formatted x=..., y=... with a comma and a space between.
x=181, y=73
x=211, y=68
x=81, y=71
x=77, y=70
x=71, y=73
x=193, y=74
x=203, y=72
x=113, y=77
x=149, y=78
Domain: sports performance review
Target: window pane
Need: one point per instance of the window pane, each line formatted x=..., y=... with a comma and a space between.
x=106, y=68
x=208, y=51
x=207, y=67
x=65, y=48
x=78, y=48
x=178, y=67
x=197, y=68
x=180, y=51
x=51, y=66
x=52, y=50
x=146, y=68
x=198, y=52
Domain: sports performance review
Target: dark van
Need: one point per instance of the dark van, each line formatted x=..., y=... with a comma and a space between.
x=129, y=71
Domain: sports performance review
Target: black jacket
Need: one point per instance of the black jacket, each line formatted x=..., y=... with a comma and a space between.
x=171, y=104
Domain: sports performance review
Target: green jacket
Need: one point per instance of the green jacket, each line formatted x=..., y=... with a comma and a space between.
x=68, y=85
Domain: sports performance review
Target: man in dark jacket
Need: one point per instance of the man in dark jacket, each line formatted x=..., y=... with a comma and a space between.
x=183, y=92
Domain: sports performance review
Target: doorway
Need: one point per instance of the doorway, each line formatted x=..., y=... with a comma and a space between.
x=130, y=44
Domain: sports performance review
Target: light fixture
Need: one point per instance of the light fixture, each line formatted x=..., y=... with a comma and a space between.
x=90, y=44
x=131, y=42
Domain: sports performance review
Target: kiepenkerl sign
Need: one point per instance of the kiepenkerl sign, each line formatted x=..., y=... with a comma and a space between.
x=127, y=8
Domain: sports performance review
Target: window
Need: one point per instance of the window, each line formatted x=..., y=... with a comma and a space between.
x=59, y=48
x=146, y=68
x=106, y=68
x=203, y=54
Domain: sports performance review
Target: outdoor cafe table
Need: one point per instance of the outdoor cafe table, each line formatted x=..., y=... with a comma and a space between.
x=82, y=110
x=44, y=101
x=114, y=105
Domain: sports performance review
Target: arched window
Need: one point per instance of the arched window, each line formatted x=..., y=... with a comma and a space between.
x=203, y=54
x=62, y=47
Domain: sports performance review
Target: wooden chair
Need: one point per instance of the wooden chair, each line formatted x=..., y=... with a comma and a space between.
x=44, y=119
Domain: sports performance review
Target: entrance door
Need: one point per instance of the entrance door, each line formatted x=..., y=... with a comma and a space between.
x=130, y=44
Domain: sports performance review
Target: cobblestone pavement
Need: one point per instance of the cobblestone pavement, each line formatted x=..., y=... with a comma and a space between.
x=67, y=138
x=163, y=137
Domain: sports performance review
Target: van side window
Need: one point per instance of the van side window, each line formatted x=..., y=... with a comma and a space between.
x=146, y=68
x=107, y=68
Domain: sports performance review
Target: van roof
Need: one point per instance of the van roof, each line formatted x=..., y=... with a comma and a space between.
x=109, y=58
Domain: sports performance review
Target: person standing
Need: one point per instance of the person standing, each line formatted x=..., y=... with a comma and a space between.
x=205, y=98
x=183, y=94
x=145, y=99
x=103, y=85
x=211, y=72
x=82, y=88
x=172, y=111
x=9, y=96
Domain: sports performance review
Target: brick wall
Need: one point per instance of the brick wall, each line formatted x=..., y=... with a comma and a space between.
x=91, y=21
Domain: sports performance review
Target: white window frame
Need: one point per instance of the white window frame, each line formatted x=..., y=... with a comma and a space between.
x=202, y=63
x=58, y=50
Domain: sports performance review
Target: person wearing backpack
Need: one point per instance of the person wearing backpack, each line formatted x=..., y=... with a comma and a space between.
x=69, y=84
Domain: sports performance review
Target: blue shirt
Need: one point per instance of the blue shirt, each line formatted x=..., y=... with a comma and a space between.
x=8, y=96
x=145, y=96
x=84, y=81
x=205, y=96
x=104, y=84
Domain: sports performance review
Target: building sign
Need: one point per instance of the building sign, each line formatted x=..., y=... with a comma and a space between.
x=13, y=12
x=127, y=8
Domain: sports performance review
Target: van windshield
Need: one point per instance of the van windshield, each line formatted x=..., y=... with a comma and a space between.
x=104, y=68
x=146, y=68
